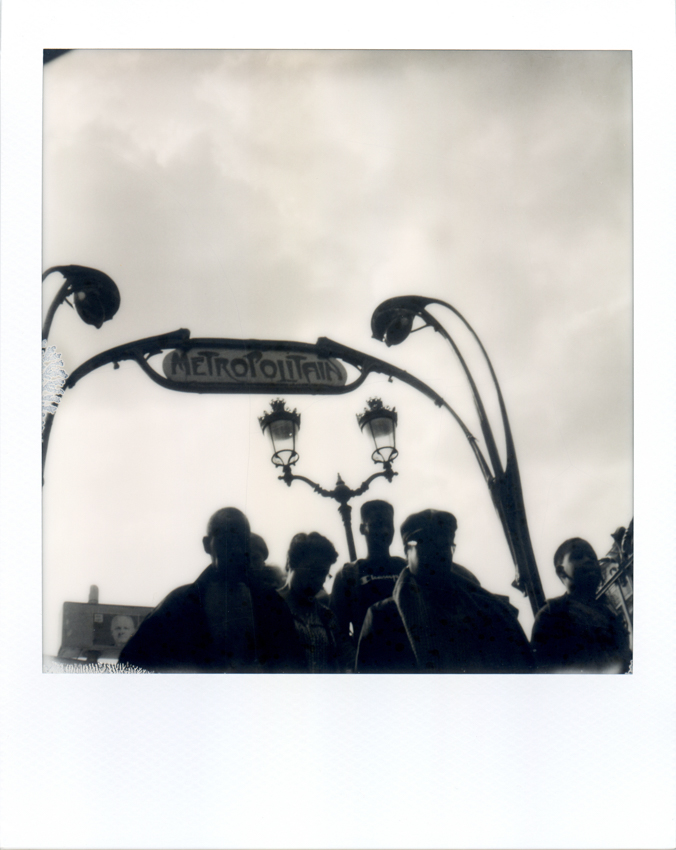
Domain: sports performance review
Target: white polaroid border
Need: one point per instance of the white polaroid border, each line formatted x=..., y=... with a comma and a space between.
x=348, y=762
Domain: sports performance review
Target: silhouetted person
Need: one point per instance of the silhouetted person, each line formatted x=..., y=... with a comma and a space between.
x=122, y=629
x=262, y=575
x=577, y=633
x=219, y=624
x=308, y=564
x=437, y=619
x=362, y=583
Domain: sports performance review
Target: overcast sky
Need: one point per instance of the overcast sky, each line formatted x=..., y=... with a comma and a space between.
x=284, y=195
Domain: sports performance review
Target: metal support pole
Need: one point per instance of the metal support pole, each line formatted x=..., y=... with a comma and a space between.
x=46, y=431
x=345, y=512
x=625, y=612
x=59, y=298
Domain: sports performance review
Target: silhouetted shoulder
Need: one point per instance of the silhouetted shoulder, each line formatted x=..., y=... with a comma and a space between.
x=463, y=572
x=383, y=608
x=162, y=637
x=578, y=636
x=558, y=605
x=187, y=593
x=383, y=644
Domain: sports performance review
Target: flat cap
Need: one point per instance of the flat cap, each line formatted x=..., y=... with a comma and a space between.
x=439, y=526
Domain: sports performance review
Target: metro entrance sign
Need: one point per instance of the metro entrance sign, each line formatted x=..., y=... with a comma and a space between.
x=211, y=365
x=278, y=366
x=253, y=365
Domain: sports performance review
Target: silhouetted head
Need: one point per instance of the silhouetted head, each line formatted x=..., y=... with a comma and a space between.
x=308, y=563
x=228, y=541
x=262, y=575
x=428, y=537
x=259, y=550
x=578, y=568
x=377, y=525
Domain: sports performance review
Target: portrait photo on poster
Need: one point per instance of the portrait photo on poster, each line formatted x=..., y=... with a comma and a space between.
x=253, y=462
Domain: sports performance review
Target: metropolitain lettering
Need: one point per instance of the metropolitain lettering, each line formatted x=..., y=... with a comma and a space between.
x=256, y=366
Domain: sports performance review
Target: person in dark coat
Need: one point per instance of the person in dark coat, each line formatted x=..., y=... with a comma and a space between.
x=576, y=632
x=309, y=561
x=362, y=583
x=219, y=624
x=438, y=620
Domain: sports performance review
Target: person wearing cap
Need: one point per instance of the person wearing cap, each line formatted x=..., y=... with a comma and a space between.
x=438, y=620
x=362, y=583
x=221, y=623
x=576, y=632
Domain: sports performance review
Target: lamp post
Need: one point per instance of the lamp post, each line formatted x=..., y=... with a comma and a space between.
x=96, y=298
x=392, y=322
x=378, y=421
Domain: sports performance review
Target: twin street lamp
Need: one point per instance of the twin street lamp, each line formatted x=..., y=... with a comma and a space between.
x=378, y=421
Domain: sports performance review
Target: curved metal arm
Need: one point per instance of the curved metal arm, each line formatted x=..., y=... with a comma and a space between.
x=486, y=429
x=59, y=298
x=507, y=491
x=509, y=443
x=288, y=478
x=137, y=350
x=409, y=305
x=131, y=351
x=388, y=473
x=373, y=364
x=141, y=349
x=392, y=322
x=341, y=494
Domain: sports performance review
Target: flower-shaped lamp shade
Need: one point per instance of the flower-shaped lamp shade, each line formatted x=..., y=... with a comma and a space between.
x=97, y=299
x=380, y=423
x=392, y=321
x=96, y=295
x=282, y=426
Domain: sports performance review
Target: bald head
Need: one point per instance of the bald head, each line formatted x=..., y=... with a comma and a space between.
x=228, y=541
x=228, y=521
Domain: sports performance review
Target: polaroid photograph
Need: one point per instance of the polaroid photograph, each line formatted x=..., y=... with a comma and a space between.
x=345, y=380
x=253, y=224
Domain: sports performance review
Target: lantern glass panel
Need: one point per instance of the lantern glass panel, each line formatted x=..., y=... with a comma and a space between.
x=382, y=431
x=283, y=436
